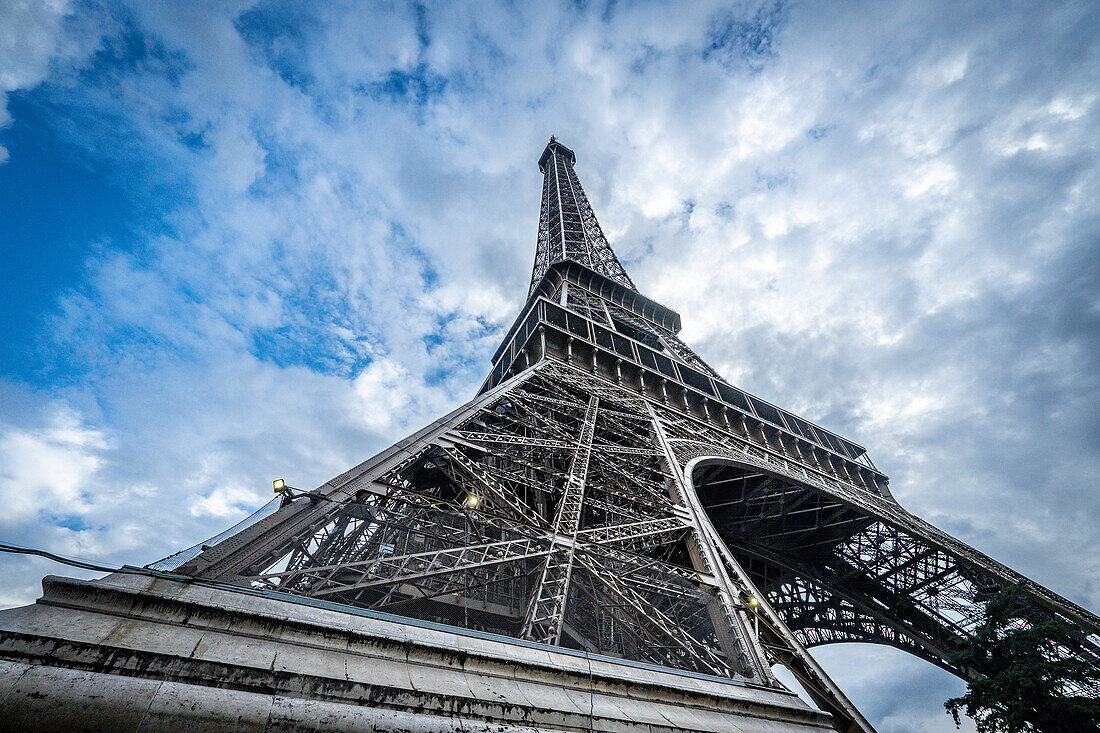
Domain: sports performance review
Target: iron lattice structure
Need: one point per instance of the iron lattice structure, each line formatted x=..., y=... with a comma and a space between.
x=607, y=491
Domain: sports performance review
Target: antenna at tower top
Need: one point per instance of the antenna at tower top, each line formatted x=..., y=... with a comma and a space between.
x=554, y=146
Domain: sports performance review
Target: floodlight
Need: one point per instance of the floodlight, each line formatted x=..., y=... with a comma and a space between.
x=280, y=485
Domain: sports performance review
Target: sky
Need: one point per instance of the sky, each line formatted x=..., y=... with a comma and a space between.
x=243, y=241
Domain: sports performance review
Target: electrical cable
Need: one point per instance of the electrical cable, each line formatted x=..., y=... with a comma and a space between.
x=86, y=565
x=82, y=564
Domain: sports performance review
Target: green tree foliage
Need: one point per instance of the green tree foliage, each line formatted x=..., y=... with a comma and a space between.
x=1023, y=683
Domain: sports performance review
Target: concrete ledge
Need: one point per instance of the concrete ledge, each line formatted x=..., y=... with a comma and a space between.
x=141, y=652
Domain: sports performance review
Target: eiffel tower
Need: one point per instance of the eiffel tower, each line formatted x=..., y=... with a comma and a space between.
x=607, y=491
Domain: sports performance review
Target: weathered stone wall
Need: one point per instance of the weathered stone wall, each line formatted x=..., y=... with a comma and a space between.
x=137, y=652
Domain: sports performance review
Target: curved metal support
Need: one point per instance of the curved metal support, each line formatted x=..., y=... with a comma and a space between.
x=837, y=569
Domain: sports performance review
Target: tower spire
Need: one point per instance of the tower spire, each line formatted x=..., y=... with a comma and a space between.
x=568, y=229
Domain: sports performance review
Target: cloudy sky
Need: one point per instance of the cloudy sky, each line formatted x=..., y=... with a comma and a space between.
x=242, y=241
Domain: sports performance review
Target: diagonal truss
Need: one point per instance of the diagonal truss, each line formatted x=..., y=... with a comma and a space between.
x=580, y=537
x=608, y=491
x=546, y=614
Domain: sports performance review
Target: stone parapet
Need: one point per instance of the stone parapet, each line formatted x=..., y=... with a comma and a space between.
x=151, y=652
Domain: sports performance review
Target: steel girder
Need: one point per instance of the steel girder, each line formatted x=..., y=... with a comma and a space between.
x=607, y=491
x=568, y=229
x=553, y=509
x=839, y=570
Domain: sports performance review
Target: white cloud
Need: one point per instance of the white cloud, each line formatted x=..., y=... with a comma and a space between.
x=227, y=502
x=383, y=392
x=32, y=36
x=886, y=221
x=47, y=471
